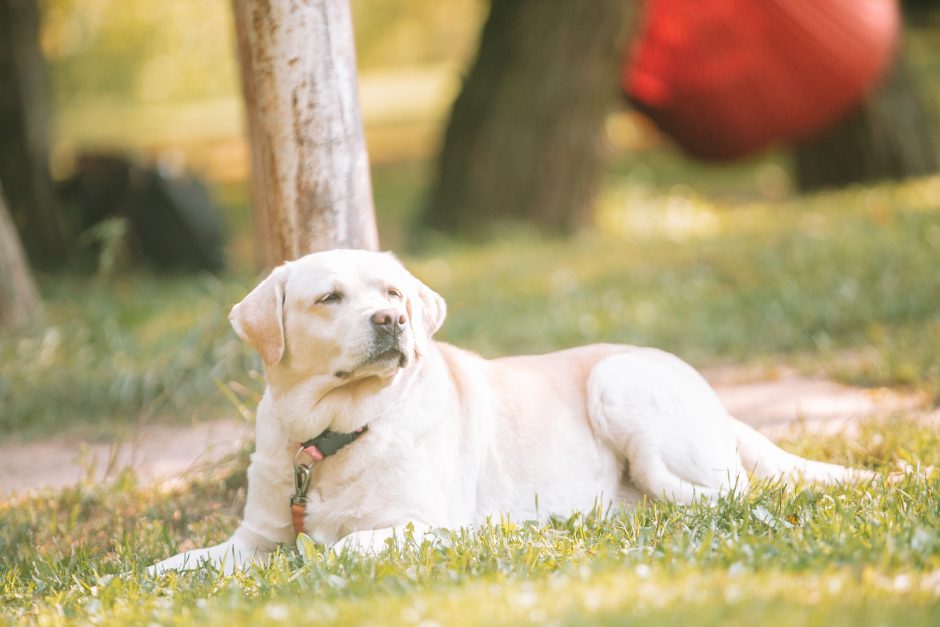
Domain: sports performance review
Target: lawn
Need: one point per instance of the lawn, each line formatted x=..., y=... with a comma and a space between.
x=842, y=284
x=843, y=556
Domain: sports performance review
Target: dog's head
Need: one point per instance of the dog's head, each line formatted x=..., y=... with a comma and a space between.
x=348, y=314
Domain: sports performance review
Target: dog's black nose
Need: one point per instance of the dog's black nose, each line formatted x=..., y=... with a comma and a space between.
x=391, y=320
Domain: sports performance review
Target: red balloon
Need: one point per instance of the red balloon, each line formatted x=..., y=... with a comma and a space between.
x=726, y=78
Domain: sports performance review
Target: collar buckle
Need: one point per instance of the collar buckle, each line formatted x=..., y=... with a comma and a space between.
x=302, y=474
x=327, y=443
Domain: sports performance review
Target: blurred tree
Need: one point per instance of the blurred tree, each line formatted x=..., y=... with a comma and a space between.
x=919, y=6
x=525, y=136
x=24, y=139
x=310, y=170
x=19, y=300
x=889, y=136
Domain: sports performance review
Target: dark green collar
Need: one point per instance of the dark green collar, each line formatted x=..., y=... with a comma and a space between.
x=330, y=442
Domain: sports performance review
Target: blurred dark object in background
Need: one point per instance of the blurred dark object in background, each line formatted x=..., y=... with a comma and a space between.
x=727, y=78
x=888, y=136
x=24, y=133
x=919, y=6
x=525, y=138
x=172, y=222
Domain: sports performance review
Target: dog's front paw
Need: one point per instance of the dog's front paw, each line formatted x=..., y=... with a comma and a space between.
x=905, y=470
x=370, y=542
x=374, y=541
x=226, y=557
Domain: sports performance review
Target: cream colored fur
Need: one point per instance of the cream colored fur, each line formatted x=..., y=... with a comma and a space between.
x=454, y=438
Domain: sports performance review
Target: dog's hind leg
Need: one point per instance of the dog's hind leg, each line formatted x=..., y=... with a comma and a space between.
x=664, y=420
x=650, y=473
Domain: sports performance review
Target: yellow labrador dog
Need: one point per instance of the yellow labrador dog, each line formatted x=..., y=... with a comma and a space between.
x=452, y=438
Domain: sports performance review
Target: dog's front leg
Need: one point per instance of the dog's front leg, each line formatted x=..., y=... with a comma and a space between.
x=374, y=541
x=267, y=519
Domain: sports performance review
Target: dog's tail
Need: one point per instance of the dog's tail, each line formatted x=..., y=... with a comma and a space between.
x=765, y=460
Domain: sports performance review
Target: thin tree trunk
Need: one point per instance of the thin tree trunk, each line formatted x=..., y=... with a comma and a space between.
x=890, y=136
x=261, y=215
x=310, y=170
x=19, y=300
x=24, y=147
x=525, y=136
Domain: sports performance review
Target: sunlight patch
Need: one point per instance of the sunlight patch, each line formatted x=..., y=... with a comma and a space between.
x=636, y=211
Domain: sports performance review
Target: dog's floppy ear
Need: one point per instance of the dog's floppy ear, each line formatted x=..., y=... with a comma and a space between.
x=433, y=307
x=428, y=316
x=259, y=317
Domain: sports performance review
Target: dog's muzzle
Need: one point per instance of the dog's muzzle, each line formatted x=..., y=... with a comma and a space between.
x=389, y=341
x=388, y=336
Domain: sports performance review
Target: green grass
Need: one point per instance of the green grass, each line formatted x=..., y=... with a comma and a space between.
x=847, y=279
x=112, y=354
x=845, y=556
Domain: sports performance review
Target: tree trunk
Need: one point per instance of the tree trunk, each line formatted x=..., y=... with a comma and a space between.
x=261, y=215
x=310, y=170
x=19, y=300
x=890, y=136
x=24, y=141
x=525, y=136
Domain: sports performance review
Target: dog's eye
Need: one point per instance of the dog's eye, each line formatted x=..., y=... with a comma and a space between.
x=393, y=292
x=332, y=297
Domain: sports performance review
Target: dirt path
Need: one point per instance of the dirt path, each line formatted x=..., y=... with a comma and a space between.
x=156, y=453
x=161, y=452
x=789, y=400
